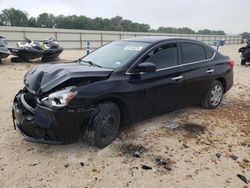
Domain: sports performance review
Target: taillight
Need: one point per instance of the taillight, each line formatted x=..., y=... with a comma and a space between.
x=231, y=63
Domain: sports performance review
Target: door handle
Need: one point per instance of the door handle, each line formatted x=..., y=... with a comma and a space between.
x=210, y=71
x=177, y=78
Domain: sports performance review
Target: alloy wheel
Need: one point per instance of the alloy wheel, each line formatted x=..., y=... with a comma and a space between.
x=216, y=95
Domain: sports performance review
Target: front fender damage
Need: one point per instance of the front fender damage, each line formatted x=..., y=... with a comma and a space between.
x=45, y=125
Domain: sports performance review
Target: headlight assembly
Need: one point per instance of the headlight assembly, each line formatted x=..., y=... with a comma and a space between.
x=60, y=98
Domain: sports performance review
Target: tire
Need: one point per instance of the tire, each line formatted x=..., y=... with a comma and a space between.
x=103, y=125
x=214, y=95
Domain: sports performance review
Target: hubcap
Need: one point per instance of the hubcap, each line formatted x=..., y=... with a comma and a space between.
x=108, y=128
x=216, y=95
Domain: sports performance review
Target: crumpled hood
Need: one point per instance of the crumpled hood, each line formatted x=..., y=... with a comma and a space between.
x=45, y=77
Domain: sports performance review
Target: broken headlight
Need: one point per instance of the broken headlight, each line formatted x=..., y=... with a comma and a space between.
x=59, y=98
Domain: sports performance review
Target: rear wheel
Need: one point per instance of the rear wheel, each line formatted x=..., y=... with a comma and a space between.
x=103, y=125
x=214, y=95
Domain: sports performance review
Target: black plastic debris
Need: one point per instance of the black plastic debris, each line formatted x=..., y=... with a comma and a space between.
x=234, y=157
x=166, y=164
x=218, y=155
x=145, y=167
x=139, y=152
x=34, y=164
x=160, y=162
x=133, y=150
x=168, y=167
x=81, y=163
x=243, y=178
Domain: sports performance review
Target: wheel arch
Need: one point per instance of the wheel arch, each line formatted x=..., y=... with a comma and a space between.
x=123, y=107
x=224, y=82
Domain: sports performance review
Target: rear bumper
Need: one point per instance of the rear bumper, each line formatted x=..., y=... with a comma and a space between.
x=229, y=77
x=45, y=125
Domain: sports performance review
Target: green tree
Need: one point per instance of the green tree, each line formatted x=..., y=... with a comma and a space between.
x=116, y=23
x=14, y=17
x=245, y=35
x=46, y=20
x=32, y=22
x=184, y=30
x=210, y=32
x=98, y=23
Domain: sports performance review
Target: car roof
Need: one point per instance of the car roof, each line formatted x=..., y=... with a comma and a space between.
x=157, y=39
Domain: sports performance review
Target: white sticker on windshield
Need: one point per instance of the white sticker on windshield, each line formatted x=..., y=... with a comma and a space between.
x=133, y=48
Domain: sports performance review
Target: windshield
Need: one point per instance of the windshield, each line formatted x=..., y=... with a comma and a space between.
x=115, y=54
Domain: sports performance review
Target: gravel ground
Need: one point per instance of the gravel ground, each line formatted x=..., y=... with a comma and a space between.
x=191, y=147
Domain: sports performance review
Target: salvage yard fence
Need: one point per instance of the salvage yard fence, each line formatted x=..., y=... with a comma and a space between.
x=78, y=39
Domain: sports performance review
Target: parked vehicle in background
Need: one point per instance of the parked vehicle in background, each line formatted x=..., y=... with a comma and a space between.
x=51, y=49
x=47, y=50
x=120, y=83
x=245, y=53
x=4, y=52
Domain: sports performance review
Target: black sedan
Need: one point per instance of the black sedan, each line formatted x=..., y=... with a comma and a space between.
x=120, y=83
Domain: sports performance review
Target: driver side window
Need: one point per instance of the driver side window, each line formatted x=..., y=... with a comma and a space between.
x=163, y=56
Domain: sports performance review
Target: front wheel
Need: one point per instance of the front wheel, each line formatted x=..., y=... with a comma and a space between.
x=103, y=125
x=214, y=95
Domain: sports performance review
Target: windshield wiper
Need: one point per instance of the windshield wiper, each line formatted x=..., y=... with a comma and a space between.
x=90, y=63
x=78, y=60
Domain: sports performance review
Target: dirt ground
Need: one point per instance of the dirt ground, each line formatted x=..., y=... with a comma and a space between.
x=191, y=147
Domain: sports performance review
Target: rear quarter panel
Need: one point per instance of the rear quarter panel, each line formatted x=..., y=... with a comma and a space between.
x=223, y=71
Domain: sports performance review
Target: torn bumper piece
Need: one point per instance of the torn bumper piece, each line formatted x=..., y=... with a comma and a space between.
x=45, y=125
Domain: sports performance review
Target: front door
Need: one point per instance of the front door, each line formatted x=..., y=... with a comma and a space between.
x=162, y=90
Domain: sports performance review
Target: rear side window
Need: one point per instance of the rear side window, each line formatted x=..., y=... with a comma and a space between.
x=209, y=52
x=192, y=52
x=163, y=56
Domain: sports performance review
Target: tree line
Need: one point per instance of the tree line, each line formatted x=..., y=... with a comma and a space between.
x=16, y=17
x=245, y=35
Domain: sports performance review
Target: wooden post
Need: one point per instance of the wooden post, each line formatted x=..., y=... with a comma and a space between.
x=81, y=41
x=101, y=39
x=56, y=36
x=24, y=34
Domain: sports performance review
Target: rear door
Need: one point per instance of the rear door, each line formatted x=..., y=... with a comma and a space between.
x=199, y=71
x=162, y=89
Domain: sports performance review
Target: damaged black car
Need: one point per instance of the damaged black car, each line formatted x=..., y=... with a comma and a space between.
x=118, y=84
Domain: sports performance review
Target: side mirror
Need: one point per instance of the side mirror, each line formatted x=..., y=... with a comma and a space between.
x=145, y=67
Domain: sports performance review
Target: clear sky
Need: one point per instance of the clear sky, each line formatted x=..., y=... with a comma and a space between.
x=232, y=16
